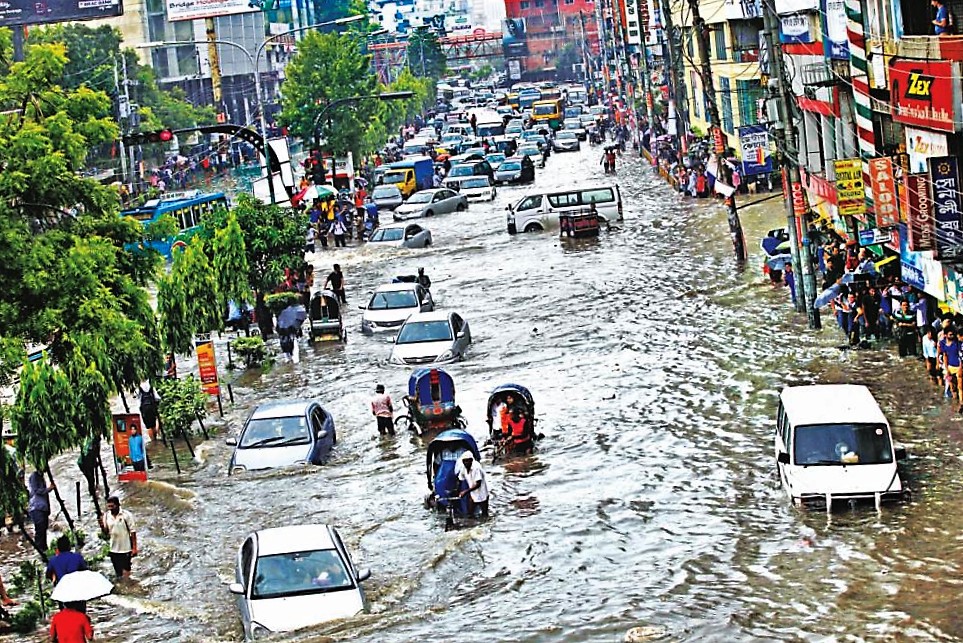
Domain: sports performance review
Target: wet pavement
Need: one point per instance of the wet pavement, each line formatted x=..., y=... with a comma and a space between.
x=652, y=501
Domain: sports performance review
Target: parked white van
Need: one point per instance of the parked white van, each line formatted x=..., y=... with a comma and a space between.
x=833, y=443
x=539, y=210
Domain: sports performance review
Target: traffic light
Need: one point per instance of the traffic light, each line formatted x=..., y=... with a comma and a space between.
x=143, y=138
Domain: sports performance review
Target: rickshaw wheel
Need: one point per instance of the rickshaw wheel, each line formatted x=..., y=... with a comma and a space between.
x=402, y=423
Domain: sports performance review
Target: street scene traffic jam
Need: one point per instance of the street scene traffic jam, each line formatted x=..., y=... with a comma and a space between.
x=481, y=320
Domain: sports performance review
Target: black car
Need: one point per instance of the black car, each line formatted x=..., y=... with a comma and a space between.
x=515, y=170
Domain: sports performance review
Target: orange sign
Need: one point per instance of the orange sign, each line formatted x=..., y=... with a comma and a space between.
x=884, y=192
x=207, y=365
x=123, y=425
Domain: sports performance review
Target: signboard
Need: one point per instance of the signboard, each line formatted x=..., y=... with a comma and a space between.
x=850, y=194
x=742, y=9
x=947, y=212
x=920, y=270
x=884, y=192
x=45, y=12
x=514, y=37
x=797, y=28
x=925, y=93
x=207, y=365
x=796, y=6
x=719, y=140
x=874, y=236
x=921, y=144
x=919, y=212
x=123, y=425
x=194, y=9
x=836, y=42
x=515, y=69
x=754, y=141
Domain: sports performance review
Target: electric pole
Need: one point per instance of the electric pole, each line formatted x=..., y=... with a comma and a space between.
x=671, y=57
x=725, y=173
x=796, y=208
x=123, y=112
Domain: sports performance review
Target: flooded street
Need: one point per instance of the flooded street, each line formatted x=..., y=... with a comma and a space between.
x=653, y=499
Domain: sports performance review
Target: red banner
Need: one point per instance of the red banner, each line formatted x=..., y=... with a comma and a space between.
x=719, y=139
x=925, y=93
x=207, y=366
x=919, y=212
x=884, y=192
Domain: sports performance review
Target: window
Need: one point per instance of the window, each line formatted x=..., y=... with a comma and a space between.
x=725, y=102
x=569, y=1
x=601, y=195
x=750, y=91
x=531, y=202
x=247, y=557
x=745, y=40
x=539, y=4
x=525, y=4
x=719, y=33
x=563, y=200
x=689, y=41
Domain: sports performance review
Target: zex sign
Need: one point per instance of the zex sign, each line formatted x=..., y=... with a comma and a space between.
x=925, y=93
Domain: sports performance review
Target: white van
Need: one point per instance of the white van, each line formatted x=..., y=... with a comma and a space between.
x=833, y=443
x=539, y=210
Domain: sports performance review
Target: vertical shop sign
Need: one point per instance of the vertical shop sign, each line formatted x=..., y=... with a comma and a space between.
x=884, y=192
x=947, y=214
x=919, y=212
x=206, y=364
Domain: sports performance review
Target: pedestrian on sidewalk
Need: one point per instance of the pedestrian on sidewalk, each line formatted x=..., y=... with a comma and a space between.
x=122, y=531
x=38, y=507
x=383, y=410
x=930, y=354
x=149, y=399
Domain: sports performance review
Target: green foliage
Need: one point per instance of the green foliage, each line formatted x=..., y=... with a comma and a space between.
x=200, y=287
x=251, y=349
x=230, y=263
x=278, y=301
x=425, y=55
x=13, y=495
x=396, y=112
x=482, y=72
x=30, y=579
x=182, y=402
x=328, y=67
x=43, y=413
x=176, y=334
x=273, y=239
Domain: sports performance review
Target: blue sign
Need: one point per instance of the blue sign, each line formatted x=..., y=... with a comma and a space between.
x=911, y=268
x=947, y=211
x=754, y=143
x=835, y=29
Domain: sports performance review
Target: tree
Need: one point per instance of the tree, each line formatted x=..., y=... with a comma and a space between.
x=230, y=263
x=182, y=402
x=176, y=335
x=328, y=67
x=396, y=112
x=273, y=242
x=425, y=55
x=200, y=287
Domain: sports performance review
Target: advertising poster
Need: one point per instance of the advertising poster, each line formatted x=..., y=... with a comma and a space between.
x=921, y=144
x=850, y=193
x=919, y=212
x=796, y=28
x=514, y=38
x=837, y=35
x=920, y=269
x=21, y=12
x=754, y=141
x=207, y=365
x=947, y=214
x=123, y=423
x=194, y=9
x=884, y=192
x=925, y=93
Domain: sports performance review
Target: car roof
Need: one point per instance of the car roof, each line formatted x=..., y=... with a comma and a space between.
x=437, y=315
x=281, y=409
x=407, y=285
x=293, y=538
x=430, y=191
x=831, y=404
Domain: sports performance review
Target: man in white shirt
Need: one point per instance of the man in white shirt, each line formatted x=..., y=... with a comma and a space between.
x=123, y=537
x=471, y=473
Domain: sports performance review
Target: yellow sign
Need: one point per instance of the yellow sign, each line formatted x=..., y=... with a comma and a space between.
x=850, y=195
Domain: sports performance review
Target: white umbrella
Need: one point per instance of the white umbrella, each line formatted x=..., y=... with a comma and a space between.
x=81, y=586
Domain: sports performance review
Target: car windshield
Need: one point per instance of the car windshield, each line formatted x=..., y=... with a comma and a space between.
x=385, y=192
x=509, y=166
x=299, y=573
x=842, y=444
x=394, y=177
x=586, y=118
x=529, y=151
x=545, y=110
x=495, y=158
x=392, y=300
x=461, y=170
x=388, y=234
x=275, y=432
x=427, y=331
x=566, y=135
x=481, y=182
x=573, y=125
x=420, y=197
x=514, y=128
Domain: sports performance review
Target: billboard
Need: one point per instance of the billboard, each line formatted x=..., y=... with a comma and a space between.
x=947, y=210
x=194, y=9
x=925, y=93
x=42, y=12
x=754, y=141
x=883, y=180
x=850, y=194
x=514, y=37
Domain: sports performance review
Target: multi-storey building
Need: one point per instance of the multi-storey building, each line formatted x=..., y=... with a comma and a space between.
x=543, y=28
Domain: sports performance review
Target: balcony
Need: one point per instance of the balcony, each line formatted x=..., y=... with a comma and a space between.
x=824, y=74
x=930, y=47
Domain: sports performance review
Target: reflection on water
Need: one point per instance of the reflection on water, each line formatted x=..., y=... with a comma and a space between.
x=652, y=502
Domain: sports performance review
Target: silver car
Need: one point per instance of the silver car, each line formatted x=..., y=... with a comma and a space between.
x=283, y=433
x=410, y=235
x=566, y=141
x=431, y=202
x=387, y=197
x=431, y=338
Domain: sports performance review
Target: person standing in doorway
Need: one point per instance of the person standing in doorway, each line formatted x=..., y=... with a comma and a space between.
x=123, y=537
x=383, y=410
x=336, y=281
x=38, y=507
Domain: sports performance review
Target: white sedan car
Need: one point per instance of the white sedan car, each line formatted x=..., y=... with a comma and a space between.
x=477, y=188
x=391, y=304
x=431, y=338
x=289, y=578
x=410, y=235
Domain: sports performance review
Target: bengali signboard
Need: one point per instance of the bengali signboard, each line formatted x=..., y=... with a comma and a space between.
x=925, y=93
x=207, y=365
x=919, y=212
x=194, y=9
x=836, y=42
x=22, y=12
x=947, y=212
x=850, y=193
x=884, y=192
x=796, y=28
x=754, y=141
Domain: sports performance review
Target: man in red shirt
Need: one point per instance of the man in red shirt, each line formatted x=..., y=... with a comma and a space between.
x=71, y=625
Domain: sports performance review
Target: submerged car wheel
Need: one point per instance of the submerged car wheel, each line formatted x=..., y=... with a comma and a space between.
x=429, y=213
x=533, y=227
x=461, y=207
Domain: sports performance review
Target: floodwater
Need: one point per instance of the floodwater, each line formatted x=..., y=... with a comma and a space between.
x=652, y=501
